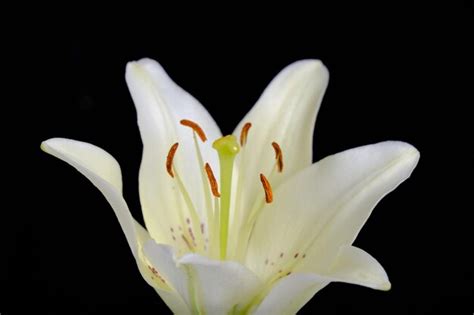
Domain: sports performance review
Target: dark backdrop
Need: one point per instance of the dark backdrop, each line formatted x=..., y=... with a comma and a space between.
x=397, y=76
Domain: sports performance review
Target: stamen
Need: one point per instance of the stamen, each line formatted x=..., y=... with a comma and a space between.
x=278, y=156
x=267, y=188
x=244, y=133
x=197, y=129
x=212, y=180
x=169, y=159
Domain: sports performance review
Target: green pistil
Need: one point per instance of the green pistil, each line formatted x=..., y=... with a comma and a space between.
x=227, y=147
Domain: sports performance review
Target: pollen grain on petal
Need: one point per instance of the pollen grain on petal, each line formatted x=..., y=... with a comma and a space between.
x=244, y=133
x=169, y=159
x=278, y=156
x=212, y=180
x=197, y=129
x=268, y=189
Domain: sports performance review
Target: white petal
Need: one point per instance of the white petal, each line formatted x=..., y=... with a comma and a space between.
x=290, y=294
x=214, y=287
x=324, y=207
x=353, y=265
x=103, y=171
x=285, y=113
x=161, y=104
x=221, y=285
x=162, y=257
x=174, y=302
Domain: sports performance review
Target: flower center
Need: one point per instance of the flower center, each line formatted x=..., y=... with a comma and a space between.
x=220, y=197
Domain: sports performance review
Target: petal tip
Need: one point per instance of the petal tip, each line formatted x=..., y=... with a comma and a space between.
x=412, y=153
x=386, y=286
x=43, y=146
x=47, y=145
x=408, y=152
x=314, y=66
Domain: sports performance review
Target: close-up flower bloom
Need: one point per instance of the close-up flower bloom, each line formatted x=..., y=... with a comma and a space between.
x=244, y=223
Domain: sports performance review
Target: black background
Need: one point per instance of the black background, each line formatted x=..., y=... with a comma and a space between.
x=400, y=74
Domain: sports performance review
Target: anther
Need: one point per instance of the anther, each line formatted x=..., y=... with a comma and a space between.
x=244, y=133
x=169, y=159
x=278, y=156
x=267, y=188
x=197, y=129
x=212, y=181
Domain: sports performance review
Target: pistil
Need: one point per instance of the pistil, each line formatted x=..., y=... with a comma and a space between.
x=227, y=148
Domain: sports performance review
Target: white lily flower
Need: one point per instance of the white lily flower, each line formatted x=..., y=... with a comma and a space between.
x=243, y=224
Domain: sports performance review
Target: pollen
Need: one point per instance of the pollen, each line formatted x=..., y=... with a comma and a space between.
x=244, y=133
x=195, y=127
x=278, y=156
x=169, y=159
x=267, y=188
x=212, y=180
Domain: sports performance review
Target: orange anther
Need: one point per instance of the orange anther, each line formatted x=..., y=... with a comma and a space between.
x=212, y=180
x=278, y=156
x=267, y=188
x=169, y=159
x=244, y=133
x=197, y=129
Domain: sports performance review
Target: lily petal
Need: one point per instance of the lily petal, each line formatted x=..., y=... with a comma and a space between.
x=354, y=265
x=161, y=105
x=222, y=286
x=174, y=302
x=285, y=113
x=163, y=258
x=290, y=294
x=325, y=206
x=210, y=286
x=103, y=171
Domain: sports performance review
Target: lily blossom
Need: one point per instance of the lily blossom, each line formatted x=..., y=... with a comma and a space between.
x=246, y=223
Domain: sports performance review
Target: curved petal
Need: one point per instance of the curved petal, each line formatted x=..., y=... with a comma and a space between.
x=162, y=257
x=354, y=265
x=290, y=294
x=161, y=104
x=103, y=171
x=222, y=286
x=174, y=302
x=324, y=207
x=210, y=286
x=285, y=113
